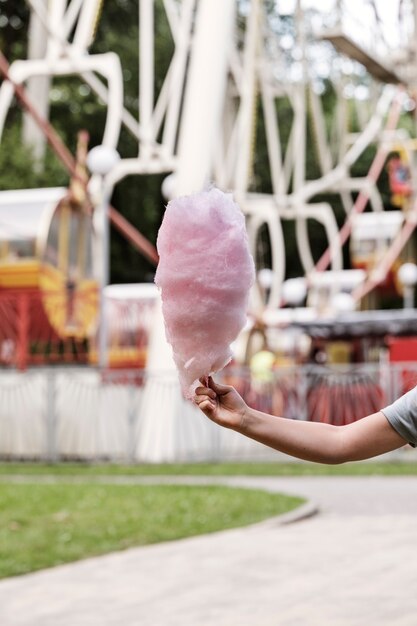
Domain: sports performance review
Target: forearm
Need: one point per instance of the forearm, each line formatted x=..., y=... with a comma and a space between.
x=310, y=441
x=322, y=443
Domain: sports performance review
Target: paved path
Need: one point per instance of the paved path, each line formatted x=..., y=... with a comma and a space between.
x=354, y=564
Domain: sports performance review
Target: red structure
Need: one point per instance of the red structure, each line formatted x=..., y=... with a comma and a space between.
x=404, y=350
x=27, y=337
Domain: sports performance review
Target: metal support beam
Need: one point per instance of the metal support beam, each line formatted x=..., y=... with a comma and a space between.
x=130, y=232
x=204, y=93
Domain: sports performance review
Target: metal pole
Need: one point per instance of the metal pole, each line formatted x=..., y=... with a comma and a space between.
x=146, y=73
x=51, y=450
x=415, y=31
x=408, y=301
x=23, y=331
x=247, y=112
x=300, y=111
x=131, y=421
x=37, y=89
x=105, y=271
x=204, y=94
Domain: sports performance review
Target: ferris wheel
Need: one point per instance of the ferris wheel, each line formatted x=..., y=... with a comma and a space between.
x=308, y=50
x=233, y=61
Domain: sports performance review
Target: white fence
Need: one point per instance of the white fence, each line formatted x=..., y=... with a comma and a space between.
x=128, y=416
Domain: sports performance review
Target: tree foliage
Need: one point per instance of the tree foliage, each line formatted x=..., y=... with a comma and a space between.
x=74, y=106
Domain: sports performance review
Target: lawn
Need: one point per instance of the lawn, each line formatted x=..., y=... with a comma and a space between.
x=378, y=468
x=46, y=524
x=43, y=525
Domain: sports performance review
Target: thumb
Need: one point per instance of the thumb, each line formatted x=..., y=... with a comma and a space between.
x=221, y=390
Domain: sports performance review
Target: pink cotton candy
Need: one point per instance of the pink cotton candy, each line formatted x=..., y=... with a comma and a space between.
x=205, y=273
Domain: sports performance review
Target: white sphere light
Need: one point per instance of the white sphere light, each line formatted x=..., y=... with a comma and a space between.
x=343, y=303
x=102, y=159
x=407, y=274
x=294, y=290
x=168, y=186
x=265, y=277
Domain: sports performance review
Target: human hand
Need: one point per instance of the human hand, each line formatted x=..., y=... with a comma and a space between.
x=221, y=403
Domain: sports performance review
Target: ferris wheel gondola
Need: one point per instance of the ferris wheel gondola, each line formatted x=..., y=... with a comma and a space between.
x=69, y=289
x=47, y=269
x=47, y=248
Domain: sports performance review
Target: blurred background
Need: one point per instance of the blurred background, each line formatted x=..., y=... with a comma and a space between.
x=304, y=111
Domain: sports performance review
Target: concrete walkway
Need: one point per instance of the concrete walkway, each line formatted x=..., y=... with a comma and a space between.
x=354, y=564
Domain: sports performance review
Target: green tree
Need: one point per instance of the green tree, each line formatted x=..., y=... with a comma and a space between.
x=74, y=106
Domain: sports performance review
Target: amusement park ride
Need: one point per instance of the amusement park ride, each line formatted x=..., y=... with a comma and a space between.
x=229, y=56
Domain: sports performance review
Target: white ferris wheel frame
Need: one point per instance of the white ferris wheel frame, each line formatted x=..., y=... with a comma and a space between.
x=200, y=125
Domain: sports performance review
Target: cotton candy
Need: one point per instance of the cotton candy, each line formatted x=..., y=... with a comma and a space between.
x=205, y=273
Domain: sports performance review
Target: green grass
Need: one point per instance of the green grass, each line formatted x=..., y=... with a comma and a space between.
x=385, y=468
x=43, y=525
x=46, y=525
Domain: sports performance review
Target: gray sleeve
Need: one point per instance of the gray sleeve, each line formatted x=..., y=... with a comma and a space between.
x=402, y=415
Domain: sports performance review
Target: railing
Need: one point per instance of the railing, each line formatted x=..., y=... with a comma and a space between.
x=27, y=337
x=129, y=416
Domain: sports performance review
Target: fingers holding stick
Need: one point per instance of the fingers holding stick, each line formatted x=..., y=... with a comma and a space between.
x=205, y=397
